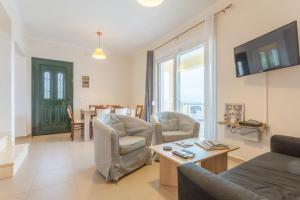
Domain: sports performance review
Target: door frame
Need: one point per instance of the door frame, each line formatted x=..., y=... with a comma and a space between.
x=34, y=66
x=159, y=80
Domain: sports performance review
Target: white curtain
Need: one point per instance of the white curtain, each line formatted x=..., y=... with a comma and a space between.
x=210, y=80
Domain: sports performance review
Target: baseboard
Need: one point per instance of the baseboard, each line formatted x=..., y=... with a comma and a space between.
x=24, y=137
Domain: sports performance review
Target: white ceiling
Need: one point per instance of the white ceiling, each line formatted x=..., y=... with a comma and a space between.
x=127, y=25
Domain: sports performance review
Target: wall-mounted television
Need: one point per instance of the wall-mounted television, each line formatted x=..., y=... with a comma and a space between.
x=274, y=50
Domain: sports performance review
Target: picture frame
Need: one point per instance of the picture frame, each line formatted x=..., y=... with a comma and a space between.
x=234, y=112
x=85, y=81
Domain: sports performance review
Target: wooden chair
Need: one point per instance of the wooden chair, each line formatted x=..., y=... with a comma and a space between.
x=139, y=111
x=95, y=107
x=77, y=125
x=103, y=111
x=113, y=107
x=121, y=111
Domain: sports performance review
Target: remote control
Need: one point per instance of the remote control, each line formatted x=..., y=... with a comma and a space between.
x=189, y=152
x=181, y=154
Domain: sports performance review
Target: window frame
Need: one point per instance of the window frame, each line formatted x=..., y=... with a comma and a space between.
x=176, y=76
x=159, y=80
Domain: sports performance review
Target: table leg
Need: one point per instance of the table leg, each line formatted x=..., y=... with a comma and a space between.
x=87, y=117
x=217, y=164
x=168, y=172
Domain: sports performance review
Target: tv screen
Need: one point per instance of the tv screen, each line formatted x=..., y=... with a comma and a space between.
x=277, y=49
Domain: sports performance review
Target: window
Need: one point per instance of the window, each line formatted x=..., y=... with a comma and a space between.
x=47, y=88
x=60, y=86
x=181, y=84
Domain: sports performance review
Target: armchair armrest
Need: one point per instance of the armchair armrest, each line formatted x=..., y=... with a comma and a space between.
x=157, y=128
x=195, y=183
x=106, y=141
x=285, y=145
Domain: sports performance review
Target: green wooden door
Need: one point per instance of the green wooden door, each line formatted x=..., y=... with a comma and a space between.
x=52, y=91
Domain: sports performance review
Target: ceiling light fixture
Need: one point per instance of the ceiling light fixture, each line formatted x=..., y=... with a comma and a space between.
x=150, y=3
x=99, y=53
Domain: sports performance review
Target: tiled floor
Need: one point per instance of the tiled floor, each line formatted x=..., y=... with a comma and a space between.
x=57, y=169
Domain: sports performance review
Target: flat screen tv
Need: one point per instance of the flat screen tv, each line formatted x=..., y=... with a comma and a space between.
x=274, y=50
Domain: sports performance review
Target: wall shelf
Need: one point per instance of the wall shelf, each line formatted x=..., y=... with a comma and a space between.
x=247, y=132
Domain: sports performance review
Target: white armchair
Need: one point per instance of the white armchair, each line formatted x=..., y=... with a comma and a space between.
x=121, y=145
x=173, y=126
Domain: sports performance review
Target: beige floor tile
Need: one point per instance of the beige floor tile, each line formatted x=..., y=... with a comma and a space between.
x=59, y=169
x=112, y=193
x=52, y=177
x=53, y=163
x=21, y=196
x=233, y=162
x=17, y=185
x=65, y=191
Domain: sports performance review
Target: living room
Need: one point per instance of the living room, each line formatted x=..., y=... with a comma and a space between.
x=150, y=50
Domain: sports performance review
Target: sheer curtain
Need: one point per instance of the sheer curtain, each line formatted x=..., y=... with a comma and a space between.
x=210, y=79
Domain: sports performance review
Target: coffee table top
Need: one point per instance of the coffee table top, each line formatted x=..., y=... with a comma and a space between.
x=201, y=154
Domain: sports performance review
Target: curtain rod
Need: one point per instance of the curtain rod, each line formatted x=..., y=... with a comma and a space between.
x=191, y=28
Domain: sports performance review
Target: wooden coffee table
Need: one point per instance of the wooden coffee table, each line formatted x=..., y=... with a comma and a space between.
x=215, y=161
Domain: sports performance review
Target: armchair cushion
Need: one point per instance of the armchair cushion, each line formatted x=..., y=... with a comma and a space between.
x=129, y=144
x=172, y=136
x=116, y=124
x=169, y=124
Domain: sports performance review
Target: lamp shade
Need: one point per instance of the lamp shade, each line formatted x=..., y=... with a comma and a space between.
x=150, y=3
x=99, y=54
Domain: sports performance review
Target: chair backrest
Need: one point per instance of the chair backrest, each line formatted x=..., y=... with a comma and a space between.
x=95, y=107
x=180, y=116
x=139, y=111
x=102, y=111
x=113, y=107
x=121, y=111
x=70, y=113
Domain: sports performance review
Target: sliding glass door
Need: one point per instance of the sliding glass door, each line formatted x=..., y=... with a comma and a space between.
x=181, y=84
x=190, y=82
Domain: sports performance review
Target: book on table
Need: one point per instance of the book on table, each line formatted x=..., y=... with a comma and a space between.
x=211, y=145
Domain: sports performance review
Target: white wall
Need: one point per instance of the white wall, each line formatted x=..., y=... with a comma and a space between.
x=5, y=89
x=138, y=78
x=16, y=34
x=22, y=94
x=247, y=20
x=110, y=80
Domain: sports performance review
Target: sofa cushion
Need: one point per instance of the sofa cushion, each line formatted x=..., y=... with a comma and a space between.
x=115, y=123
x=172, y=136
x=169, y=124
x=271, y=175
x=128, y=144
